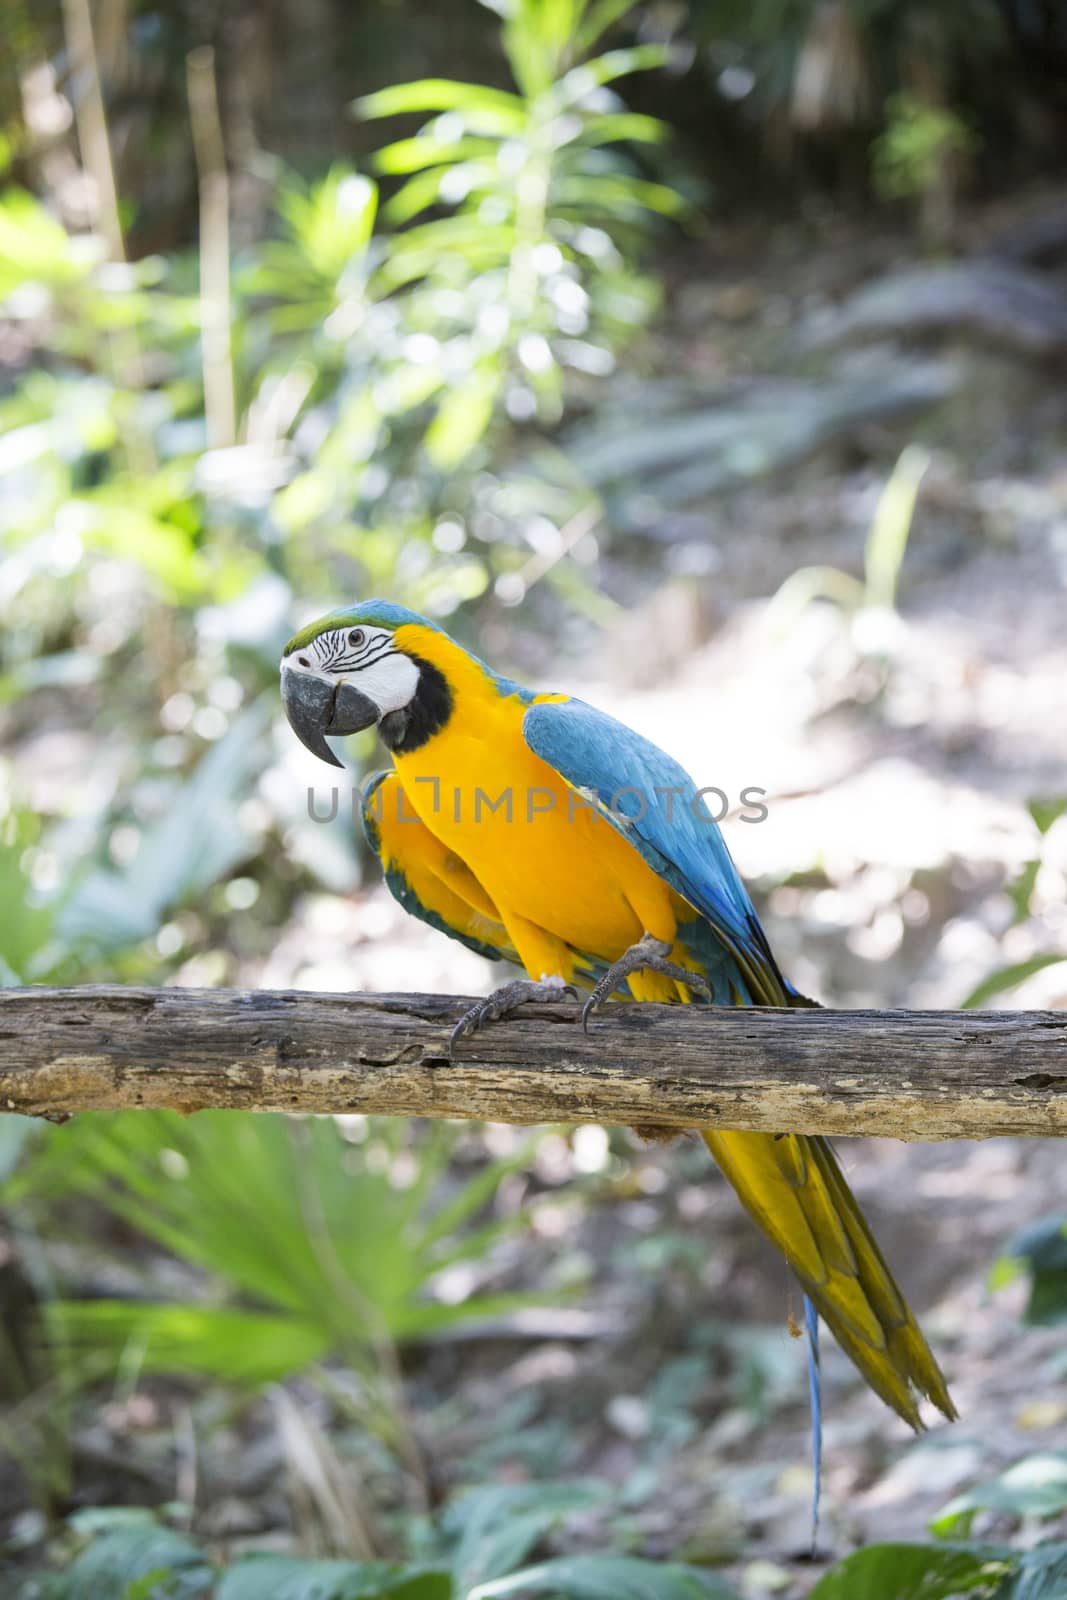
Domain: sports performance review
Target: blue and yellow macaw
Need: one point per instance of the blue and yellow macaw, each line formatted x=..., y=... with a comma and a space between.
x=537, y=830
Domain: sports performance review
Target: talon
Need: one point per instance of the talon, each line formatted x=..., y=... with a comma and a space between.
x=505, y=999
x=650, y=955
x=592, y=1004
x=468, y=1023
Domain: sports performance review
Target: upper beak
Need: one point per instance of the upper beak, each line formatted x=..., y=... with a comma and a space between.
x=315, y=708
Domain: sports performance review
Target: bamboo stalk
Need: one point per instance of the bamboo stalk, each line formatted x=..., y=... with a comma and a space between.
x=215, y=310
x=91, y=118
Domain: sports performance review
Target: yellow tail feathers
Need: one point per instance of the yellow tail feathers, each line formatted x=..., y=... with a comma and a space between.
x=794, y=1190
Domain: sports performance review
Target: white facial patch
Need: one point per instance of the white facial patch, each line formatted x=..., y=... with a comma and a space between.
x=367, y=658
x=390, y=681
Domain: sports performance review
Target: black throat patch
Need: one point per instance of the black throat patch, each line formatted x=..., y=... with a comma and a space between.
x=424, y=715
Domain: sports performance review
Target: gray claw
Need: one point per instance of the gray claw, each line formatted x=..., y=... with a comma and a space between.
x=507, y=998
x=650, y=955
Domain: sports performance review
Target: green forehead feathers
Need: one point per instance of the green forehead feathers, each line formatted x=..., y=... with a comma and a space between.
x=369, y=614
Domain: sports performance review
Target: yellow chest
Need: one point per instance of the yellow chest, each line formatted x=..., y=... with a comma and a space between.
x=536, y=845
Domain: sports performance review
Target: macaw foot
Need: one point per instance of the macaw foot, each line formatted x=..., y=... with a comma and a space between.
x=508, y=998
x=647, y=955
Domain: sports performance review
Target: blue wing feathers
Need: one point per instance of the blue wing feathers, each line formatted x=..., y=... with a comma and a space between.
x=665, y=818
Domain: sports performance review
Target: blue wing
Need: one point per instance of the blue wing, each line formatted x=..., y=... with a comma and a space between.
x=652, y=802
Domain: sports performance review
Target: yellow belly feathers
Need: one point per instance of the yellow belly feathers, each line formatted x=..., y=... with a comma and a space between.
x=562, y=879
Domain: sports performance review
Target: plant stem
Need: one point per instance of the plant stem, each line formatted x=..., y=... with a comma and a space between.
x=214, y=186
x=91, y=117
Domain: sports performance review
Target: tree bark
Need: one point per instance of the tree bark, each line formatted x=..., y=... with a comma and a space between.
x=904, y=1074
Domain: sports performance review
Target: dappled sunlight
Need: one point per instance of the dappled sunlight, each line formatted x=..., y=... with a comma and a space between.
x=701, y=362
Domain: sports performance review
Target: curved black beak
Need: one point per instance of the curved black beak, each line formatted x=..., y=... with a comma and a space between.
x=315, y=708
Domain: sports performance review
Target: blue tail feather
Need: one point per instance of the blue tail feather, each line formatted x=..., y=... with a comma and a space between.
x=811, y=1317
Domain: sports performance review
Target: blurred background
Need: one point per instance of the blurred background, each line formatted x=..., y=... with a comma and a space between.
x=704, y=359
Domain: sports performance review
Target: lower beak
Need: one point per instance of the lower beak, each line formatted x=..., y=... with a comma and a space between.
x=315, y=708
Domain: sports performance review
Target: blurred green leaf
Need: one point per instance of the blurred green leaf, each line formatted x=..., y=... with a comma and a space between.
x=332, y=220
x=1040, y=1574
x=141, y=1560
x=425, y=150
x=497, y=1527
x=27, y=925
x=625, y=126
x=891, y=525
x=919, y=1572
x=243, y=1347
x=484, y=110
x=606, y=1577
x=1033, y=1487
x=270, y=1577
x=195, y=842
x=16, y=1134
x=1046, y=812
x=619, y=194
x=1042, y=1250
x=1021, y=892
x=462, y=418
x=595, y=20
x=329, y=1249
x=580, y=81
x=1008, y=978
x=909, y=156
x=35, y=248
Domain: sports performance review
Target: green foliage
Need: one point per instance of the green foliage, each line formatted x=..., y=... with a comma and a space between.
x=323, y=261
x=493, y=1530
x=26, y=929
x=1033, y=1487
x=288, y=1578
x=1006, y=978
x=606, y=1578
x=315, y=1244
x=909, y=156
x=134, y=1557
x=196, y=840
x=540, y=200
x=851, y=69
x=887, y=541
x=388, y=374
x=922, y=1572
x=35, y=250
x=883, y=556
x=1040, y=1250
x=458, y=330
x=1044, y=812
x=96, y=919
x=388, y=377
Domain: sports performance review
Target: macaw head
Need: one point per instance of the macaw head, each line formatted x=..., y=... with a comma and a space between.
x=358, y=668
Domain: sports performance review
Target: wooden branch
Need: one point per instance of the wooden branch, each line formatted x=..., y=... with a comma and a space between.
x=905, y=1074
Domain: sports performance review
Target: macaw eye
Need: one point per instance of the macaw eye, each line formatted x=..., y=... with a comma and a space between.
x=356, y=638
x=303, y=660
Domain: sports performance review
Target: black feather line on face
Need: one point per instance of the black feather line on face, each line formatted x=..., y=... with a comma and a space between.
x=337, y=655
x=359, y=659
x=424, y=715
